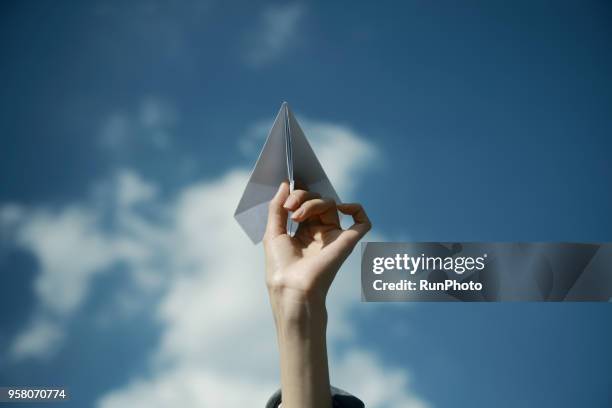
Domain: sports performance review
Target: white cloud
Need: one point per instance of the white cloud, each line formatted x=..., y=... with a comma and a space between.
x=217, y=344
x=39, y=340
x=381, y=387
x=150, y=125
x=277, y=30
x=156, y=113
x=133, y=190
x=341, y=146
x=190, y=387
x=72, y=247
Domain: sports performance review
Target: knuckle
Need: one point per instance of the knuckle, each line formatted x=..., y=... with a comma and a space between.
x=308, y=205
x=299, y=193
x=309, y=197
x=300, y=196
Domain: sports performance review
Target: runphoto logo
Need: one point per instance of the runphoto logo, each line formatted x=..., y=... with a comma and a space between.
x=414, y=264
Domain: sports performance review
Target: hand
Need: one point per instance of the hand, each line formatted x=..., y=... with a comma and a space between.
x=300, y=269
x=299, y=272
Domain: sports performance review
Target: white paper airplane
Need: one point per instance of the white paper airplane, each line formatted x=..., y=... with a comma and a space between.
x=286, y=155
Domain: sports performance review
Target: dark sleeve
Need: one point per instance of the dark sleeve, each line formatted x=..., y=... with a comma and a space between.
x=340, y=398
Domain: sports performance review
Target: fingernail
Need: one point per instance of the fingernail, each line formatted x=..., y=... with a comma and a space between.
x=290, y=202
x=297, y=214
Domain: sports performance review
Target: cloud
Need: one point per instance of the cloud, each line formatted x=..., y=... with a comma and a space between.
x=381, y=387
x=133, y=190
x=149, y=125
x=55, y=237
x=276, y=31
x=211, y=305
x=333, y=141
x=40, y=339
x=72, y=246
x=190, y=387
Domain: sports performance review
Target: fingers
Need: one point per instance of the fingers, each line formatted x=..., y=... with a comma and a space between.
x=361, y=226
x=307, y=205
x=297, y=198
x=277, y=215
x=324, y=208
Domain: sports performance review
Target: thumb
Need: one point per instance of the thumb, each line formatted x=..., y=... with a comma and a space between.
x=277, y=214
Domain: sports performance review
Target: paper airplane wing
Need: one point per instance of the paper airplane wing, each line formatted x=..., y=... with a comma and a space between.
x=306, y=167
x=286, y=152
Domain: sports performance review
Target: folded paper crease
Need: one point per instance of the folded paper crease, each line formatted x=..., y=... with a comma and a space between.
x=286, y=155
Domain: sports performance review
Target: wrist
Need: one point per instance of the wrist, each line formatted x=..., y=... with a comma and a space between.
x=299, y=315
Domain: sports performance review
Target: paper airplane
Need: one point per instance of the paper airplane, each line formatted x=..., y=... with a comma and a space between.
x=286, y=155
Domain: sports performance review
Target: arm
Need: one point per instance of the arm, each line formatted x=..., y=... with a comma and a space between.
x=299, y=272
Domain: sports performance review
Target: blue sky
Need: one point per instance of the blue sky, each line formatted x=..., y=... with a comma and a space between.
x=128, y=130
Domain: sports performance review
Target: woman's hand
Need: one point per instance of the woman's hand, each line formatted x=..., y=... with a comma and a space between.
x=299, y=272
x=300, y=269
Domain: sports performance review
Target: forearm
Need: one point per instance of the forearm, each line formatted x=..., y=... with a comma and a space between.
x=299, y=272
x=301, y=333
